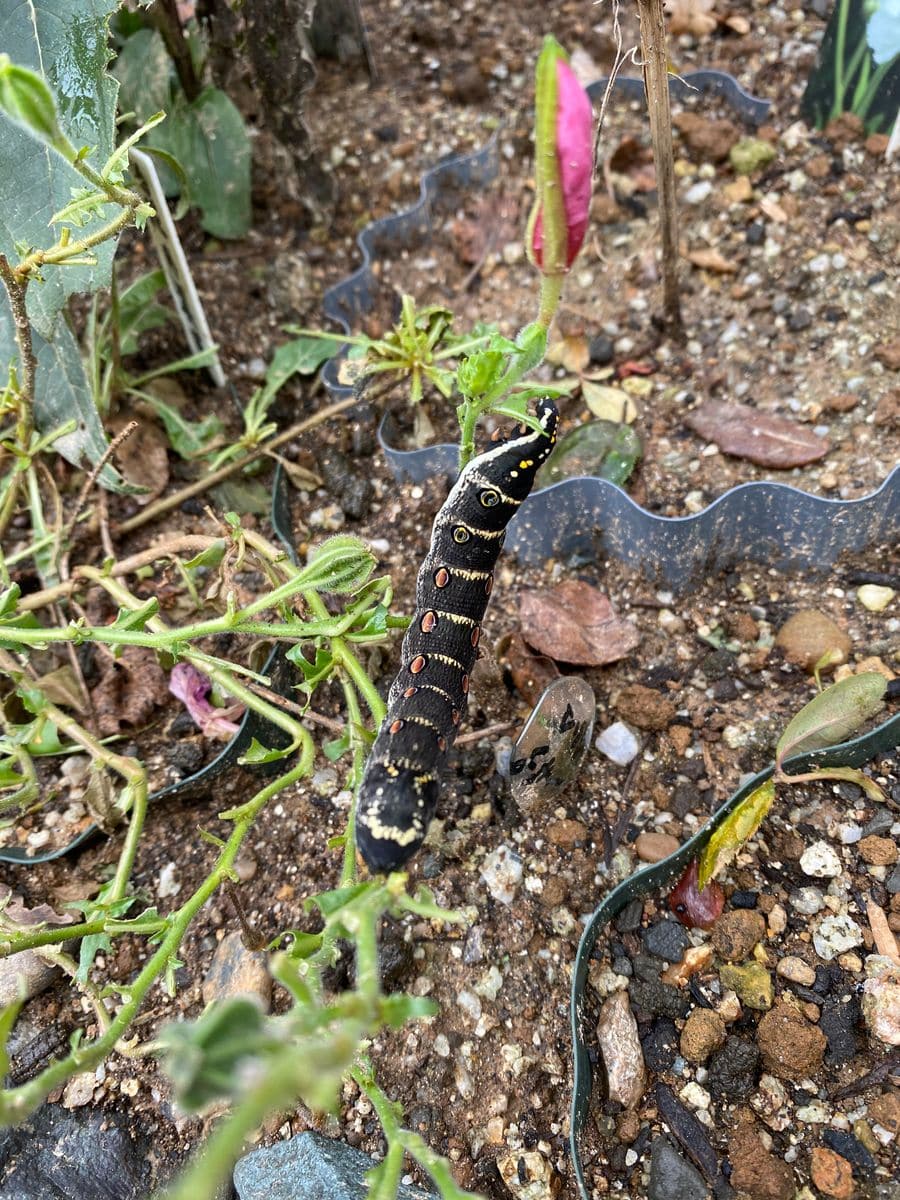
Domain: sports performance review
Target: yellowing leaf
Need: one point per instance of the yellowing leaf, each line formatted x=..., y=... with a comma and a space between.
x=608, y=403
x=833, y=715
x=734, y=832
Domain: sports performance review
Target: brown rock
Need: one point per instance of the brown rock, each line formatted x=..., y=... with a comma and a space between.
x=888, y=353
x=709, y=140
x=236, y=971
x=652, y=847
x=736, y=933
x=792, y=1047
x=645, y=707
x=742, y=626
x=465, y=85
x=620, y=1047
x=704, y=1031
x=879, y=851
x=831, y=1173
x=566, y=833
x=681, y=737
x=756, y=1171
x=887, y=411
x=818, y=167
x=846, y=128
x=885, y=1110
x=841, y=402
x=808, y=635
x=876, y=143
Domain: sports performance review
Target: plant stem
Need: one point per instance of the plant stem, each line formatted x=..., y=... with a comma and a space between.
x=840, y=43
x=14, y=942
x=164, y=505
x=15, y=290
x=656, y=85
x=19, y=1102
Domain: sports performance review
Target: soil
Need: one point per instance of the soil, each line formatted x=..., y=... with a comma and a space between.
x=487, y=1082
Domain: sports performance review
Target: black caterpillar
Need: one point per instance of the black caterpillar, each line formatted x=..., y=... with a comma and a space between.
x=399, y=790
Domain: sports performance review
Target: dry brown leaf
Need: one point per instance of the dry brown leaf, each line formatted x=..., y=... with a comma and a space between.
x=129, y=689
x=571, y=353
x=575, y=623
x=143, y=458
x=691, y=16
x=711, y=260
x=761, y=438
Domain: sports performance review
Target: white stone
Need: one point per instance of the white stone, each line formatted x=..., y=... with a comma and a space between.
x=502, y=872
x=618, y=743
x=699, y=192
x=820, y=860
x=874, y=597
x=835, y=935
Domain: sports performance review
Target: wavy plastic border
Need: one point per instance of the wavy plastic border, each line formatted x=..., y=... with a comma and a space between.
x=884, y=739
x=589, y=517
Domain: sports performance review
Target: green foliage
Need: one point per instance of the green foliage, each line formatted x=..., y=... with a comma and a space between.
x=205, y=136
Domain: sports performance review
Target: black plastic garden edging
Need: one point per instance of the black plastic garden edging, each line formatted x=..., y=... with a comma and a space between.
x=881, y=740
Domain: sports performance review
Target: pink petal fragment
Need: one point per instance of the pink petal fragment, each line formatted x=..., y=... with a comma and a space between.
x=192, y=688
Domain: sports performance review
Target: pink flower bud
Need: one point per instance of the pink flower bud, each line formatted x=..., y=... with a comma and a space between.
x=574, y=164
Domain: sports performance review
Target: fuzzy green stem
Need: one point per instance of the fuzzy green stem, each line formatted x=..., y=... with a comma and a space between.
x=19, y=1102
x=13, y=942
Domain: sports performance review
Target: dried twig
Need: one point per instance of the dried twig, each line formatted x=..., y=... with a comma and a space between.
x=110, y=450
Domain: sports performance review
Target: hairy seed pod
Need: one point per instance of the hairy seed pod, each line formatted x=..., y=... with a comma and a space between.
x=399, y=790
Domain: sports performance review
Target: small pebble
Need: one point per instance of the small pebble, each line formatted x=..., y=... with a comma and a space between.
x=751, y=983
x=618, y=743
x=796, y=970
x=835, y=935
x=808, y=900
x=502, y=873
x=652, y=847
x=875, y=597
x=821, y=861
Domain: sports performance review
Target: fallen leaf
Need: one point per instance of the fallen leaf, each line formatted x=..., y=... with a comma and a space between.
x=570, y=353
x=761, y=438
x=711, y=260
x=691, y=16
x=129, y=689
x=575, y=623
x=61, y=687
x=833, y=715
x=143, y=458
x=529, y=673
x=734, y=831
x=608, y=403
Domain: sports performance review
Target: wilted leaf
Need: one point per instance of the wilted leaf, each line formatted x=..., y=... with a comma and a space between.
x=691, y=16
x=570, y=353
x=734, y=832
x=61, y=687
x=695, y=908
x=833, y=715
x=711, y=260
x=575, y=623
x=129, y=689
x=143, y=458
x=187, y=438
x=608, y=403
x=761, y=438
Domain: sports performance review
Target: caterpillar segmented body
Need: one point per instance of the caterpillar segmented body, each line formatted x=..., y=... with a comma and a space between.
x=399, y=790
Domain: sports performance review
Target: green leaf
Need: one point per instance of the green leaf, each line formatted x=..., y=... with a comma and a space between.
x=313, y=672
x=210, y=557
x=833, y=715
x=62, y=393
x=204, y=1057
x=734, y=832
x=398, y=1008
x=188, y=438
x=330, y=903
x=302, y=356
x=136, y=618
x=335, y=748
x=66, y=42
x=144, y=69
x=26, y=98
x=9, y=598
x=208, y=138
x=257, y=753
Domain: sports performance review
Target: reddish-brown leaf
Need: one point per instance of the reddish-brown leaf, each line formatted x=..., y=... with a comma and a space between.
x=575, y=623
x=696, y=909
x=529, y=673
x=764, y=439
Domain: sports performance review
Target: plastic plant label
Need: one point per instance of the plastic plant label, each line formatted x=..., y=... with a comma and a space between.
x=549, y=751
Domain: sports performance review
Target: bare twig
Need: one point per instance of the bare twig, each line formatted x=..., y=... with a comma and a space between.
x=656, y=85
x=167, y=503
x=107, y=454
